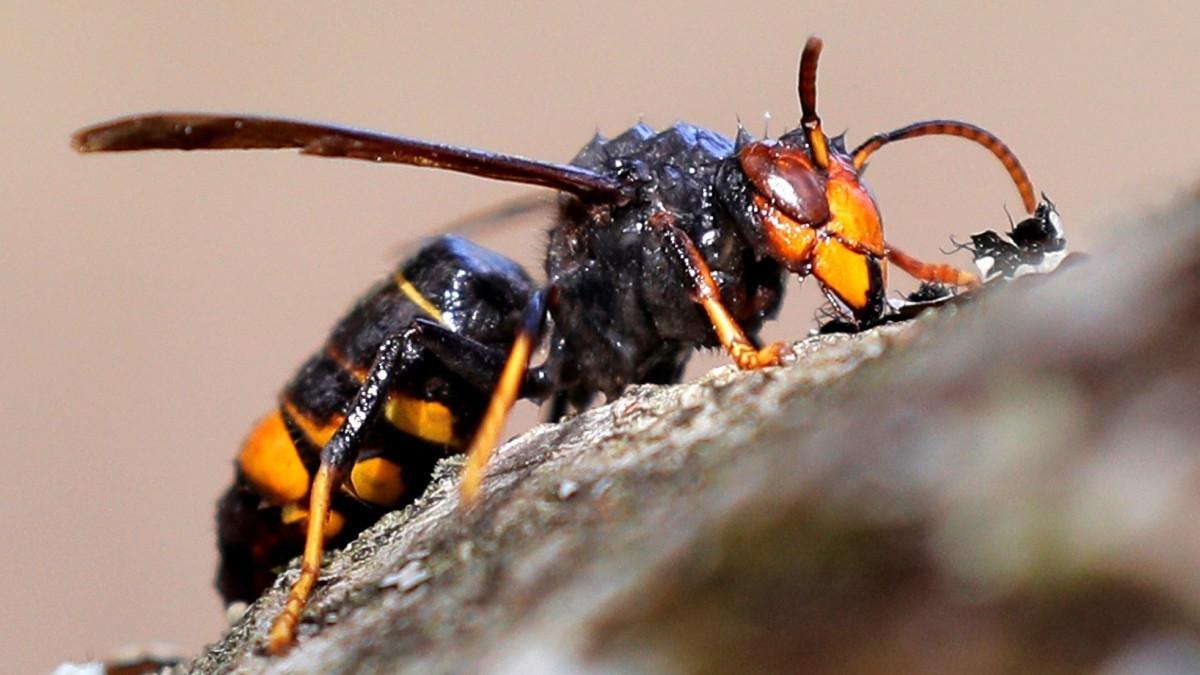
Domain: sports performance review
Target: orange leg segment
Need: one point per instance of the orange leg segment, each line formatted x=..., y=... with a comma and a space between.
x=734, y=339
x=936, y=272
x=494, y=418
x=708, y=295
x=283, y=629
x=337, y=457
x=508, y=388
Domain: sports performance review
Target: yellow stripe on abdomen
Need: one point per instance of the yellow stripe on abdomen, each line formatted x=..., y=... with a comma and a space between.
x=378, y=480
x=318, y=433
x=270, y=462
x=415, y=296
x=427, y=420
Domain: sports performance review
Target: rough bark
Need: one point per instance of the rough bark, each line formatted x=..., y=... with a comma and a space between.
x=1007, y=485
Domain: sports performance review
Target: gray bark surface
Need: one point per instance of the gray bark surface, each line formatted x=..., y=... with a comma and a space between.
x=1008, y=485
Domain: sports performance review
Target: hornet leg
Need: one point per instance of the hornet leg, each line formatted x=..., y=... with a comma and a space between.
x=475, y=362
x=707, y=294
x=508, y=387
x=337, y=457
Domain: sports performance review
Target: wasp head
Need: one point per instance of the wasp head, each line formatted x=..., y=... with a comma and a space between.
x=801, y=201
x=808, y=209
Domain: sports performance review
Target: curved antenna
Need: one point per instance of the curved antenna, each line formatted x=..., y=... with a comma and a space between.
x=808, y=101
x=962, y=130
x=203, y=131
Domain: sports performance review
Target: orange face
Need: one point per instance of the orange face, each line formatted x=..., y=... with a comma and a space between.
x=819, y=221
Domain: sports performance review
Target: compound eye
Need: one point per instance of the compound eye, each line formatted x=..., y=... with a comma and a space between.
x=787, y=178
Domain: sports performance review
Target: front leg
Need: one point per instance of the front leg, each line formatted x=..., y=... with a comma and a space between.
x=707, y=294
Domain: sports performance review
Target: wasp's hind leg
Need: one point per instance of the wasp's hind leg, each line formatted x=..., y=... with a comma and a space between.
x=707, y=294
x=337, y=458
x=479, y=364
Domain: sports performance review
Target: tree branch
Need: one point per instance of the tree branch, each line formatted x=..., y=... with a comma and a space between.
x=1008, y=485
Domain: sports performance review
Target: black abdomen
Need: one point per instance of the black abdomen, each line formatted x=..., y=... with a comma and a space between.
x=429, y=412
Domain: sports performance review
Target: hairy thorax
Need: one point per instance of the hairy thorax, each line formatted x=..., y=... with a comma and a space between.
x=625, y=309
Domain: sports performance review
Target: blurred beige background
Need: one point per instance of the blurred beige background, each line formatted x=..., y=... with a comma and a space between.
x=154, y=303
